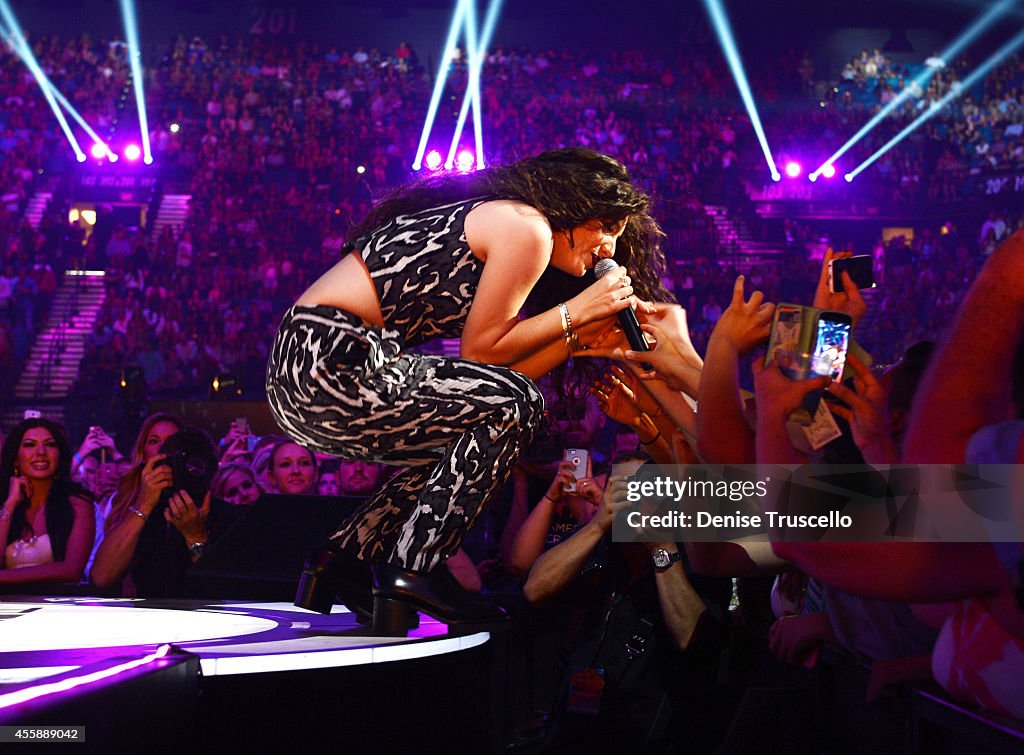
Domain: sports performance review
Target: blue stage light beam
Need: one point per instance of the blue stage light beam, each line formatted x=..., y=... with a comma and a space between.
x=469, y=27
x=949, y=54
x=723, y=30
x=59, y=97
x=490, y=21
x=442, y=76
x=131, y=36
x=976, y=75
x=478, y=48
x=20, y=46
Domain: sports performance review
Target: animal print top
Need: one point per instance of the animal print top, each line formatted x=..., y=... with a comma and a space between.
x=423, y=270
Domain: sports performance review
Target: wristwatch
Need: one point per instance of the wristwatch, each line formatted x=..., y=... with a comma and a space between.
x=663, y=559
x=197, y=549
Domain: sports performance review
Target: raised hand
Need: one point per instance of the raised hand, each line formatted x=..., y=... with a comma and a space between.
x=615, y=401
x=613, y=501
x=745, y=323
x=849, y=301
x=634, y=389
x=186, y=517
x=670, y=319
x=777, y=395
x=154, y=480
x=866, y=414
x=20, y=488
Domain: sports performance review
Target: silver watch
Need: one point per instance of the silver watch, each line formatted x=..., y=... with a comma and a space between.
x=197, y=549
x=663, y=559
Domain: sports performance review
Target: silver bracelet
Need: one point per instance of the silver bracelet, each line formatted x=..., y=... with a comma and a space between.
x=138, y=513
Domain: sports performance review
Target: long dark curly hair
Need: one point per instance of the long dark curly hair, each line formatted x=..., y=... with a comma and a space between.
x=569, y=187
x=60, y=517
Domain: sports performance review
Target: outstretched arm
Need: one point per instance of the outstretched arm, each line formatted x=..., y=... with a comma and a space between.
x=723, y=434
x=972, y=371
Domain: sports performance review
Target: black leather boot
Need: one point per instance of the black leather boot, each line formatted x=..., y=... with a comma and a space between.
x=331, y=573
x=398, y=591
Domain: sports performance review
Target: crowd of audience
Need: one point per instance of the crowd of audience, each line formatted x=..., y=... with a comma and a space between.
x=120, y=521
x=270, y=140
x=282, y=148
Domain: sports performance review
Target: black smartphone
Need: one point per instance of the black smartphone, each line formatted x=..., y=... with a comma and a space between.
x=860, y=270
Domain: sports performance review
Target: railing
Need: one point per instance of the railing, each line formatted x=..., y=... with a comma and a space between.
x=44, y=379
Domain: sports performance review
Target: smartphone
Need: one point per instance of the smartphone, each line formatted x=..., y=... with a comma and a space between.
x=860, y=270
x=786, y=326
x=831, y=342
x=579, y=458
x=32, y=414
x=242, y=423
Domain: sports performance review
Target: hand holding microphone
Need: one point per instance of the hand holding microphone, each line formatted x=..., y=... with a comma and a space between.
x=627, y=317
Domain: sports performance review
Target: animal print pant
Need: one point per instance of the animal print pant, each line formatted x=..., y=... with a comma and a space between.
x=346, y=389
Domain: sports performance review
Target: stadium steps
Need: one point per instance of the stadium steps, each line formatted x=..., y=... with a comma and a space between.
x=173, y=211
x=37, y=207
x=736, y=243
x=54, y=361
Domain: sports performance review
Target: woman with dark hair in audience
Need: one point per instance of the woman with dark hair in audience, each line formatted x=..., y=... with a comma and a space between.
x=458, y=256
x=46, y=522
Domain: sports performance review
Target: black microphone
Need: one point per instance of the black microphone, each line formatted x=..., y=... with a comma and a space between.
x=627, y=317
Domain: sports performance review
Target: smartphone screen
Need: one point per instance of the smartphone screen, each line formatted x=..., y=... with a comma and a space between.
x=859, y=268
x=831, y=343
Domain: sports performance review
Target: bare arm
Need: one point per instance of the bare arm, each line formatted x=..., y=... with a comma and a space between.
x=18, y=490
x=972, y=369
x=681, y=606
x=529, y=542
x=516, y=516
x=723, y=434
x=557, y=568
x=464, y=570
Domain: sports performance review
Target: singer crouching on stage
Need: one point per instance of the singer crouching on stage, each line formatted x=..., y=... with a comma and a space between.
x=458, y=257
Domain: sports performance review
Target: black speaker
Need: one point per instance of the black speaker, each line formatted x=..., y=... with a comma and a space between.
x=260, y=556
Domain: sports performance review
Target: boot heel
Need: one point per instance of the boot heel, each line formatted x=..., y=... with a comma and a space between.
x=330, y=575
x=314, y=592
x=393, y=618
